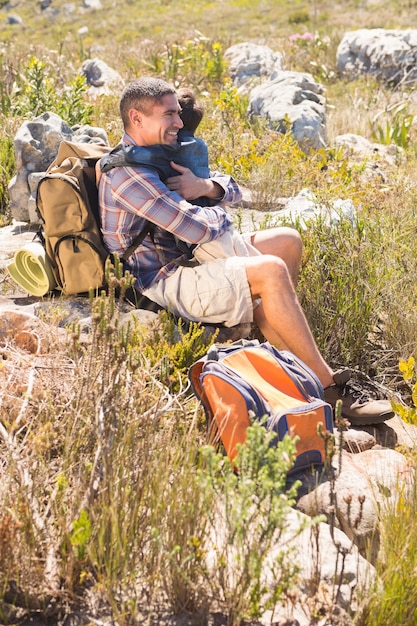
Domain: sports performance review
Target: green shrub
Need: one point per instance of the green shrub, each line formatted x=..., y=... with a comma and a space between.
x=198, y=62
x=340, y=289
x=249, y=507
x=301, y=16
x=38, y=92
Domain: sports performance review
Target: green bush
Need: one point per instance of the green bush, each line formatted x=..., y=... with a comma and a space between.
x=38, y=91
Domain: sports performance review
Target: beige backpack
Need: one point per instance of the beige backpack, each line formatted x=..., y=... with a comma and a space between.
x=67, y=203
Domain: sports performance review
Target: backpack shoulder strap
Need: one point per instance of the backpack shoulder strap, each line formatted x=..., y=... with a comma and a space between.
x=147, y=229
x=114, y=158
x=117, y=158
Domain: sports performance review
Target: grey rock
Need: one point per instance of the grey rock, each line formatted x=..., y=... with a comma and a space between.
x=92, y=4
x=36, y=141
x=304, y=208
x=13, y=237
x=249, y=62
x=326, y=580
x=294, y=102
x=388, y=55
x=101, y=78
x=14, y=19
x=361, y=148
x=36, y=145
x=406, y=434
x=141, y=317
x=379, y=160
x=23, y=328
x=384, y=434
x=349, y=509
x=363, y=484
x=19, y=195
x=89, y=134
x=33, y=182
x=357, y=440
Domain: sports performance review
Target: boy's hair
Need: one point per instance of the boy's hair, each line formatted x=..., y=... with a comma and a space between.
x=191, y=111
x=142, y=94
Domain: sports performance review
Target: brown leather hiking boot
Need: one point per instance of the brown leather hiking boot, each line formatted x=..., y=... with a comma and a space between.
x=358, y=405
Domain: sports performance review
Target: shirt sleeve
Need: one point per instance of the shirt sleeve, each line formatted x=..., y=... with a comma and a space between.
x=232, y=192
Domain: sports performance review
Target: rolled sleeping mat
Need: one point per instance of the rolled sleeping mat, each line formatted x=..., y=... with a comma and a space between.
x=31, y=270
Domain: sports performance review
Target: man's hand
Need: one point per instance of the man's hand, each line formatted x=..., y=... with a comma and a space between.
x=190, y=186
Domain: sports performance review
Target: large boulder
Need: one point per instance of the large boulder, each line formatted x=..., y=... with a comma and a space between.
x=292, y=101
x=389, y=55
x=249, y=62
x=333, y=575
x=36, y=145
x=363, y=485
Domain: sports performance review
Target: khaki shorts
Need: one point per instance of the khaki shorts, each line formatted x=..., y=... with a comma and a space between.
x=231, y=243
x=216, y=292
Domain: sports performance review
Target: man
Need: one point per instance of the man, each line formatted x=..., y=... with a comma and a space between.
x=230, y=291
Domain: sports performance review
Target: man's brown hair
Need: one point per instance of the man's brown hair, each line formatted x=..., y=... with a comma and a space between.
x=142, y=94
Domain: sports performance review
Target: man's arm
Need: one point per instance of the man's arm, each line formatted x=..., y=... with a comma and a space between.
x=219, y=187
x=126, y=192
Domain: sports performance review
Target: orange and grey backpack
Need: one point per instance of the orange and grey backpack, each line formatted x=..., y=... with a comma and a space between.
x=248, y=380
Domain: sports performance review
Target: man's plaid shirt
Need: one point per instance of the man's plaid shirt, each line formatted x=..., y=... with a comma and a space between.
x=128, y=196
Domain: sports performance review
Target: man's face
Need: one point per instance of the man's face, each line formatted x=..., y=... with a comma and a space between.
x=162, y=124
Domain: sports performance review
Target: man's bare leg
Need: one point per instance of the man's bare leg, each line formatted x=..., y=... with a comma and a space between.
x=284, y=243
x=280, y=317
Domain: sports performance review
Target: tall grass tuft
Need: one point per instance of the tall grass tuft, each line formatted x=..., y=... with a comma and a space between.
x=82, y=478
x=341, y=289
x=394, y=599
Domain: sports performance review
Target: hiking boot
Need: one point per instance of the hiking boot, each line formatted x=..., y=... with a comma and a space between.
x=358, y=405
